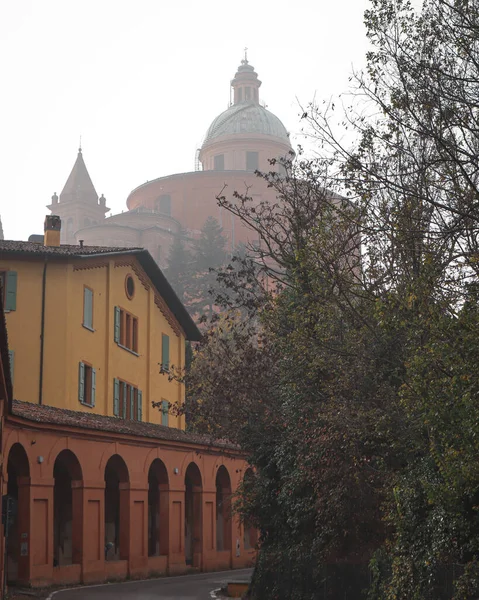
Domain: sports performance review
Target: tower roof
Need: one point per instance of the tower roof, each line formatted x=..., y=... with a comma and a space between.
x=79, y=186
x=246, y=118
x=246, y=115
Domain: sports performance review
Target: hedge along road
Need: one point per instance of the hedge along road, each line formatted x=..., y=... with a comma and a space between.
x=184, y=587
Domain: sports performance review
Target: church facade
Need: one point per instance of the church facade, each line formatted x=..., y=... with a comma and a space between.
x=241, y=140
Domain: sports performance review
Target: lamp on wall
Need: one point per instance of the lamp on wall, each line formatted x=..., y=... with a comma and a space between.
x=176, y=470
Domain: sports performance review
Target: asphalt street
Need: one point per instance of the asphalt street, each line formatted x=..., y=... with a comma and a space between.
x=185, y=587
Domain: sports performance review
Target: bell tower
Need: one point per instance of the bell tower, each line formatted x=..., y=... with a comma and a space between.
x=78, y=205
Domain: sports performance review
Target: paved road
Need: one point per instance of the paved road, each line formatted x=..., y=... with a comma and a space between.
x=185, y=587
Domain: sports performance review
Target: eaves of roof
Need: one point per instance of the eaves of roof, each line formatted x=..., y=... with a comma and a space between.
x=145, y=259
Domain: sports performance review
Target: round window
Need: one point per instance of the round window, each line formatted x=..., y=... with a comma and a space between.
x=130, y=286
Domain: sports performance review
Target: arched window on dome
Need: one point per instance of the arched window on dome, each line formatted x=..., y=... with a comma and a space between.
x=247, y=93
x=239, y=97
x=219, y=162
x=252, y=161
x=164, y=204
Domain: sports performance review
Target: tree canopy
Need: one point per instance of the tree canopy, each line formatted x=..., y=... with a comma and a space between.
x=350, y=380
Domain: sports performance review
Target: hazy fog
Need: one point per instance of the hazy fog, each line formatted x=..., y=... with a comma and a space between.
x=141, y=81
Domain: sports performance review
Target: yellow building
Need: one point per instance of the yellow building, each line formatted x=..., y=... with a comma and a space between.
x=93, y=329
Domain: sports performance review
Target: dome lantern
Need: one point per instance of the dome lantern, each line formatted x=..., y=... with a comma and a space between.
x=246, y=83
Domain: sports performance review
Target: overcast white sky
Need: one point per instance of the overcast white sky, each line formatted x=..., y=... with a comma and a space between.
x=141, y=80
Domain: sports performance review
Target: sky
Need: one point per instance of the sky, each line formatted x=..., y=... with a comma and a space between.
x=141, y=80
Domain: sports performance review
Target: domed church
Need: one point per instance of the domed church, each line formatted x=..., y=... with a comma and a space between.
x=239, y=141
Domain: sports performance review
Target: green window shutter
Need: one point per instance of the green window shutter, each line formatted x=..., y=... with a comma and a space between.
x=117, y=324
x=165, y=352
x=88, y=308
x=139, y=415
x=123, y=394
x=164, y=412
x=116, y=397
x=11, y=358
x=132, y=402
x=93, y=386
x=81, y=382
x=11, y=291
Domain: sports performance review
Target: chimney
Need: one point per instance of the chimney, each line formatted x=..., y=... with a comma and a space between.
x=53, y=225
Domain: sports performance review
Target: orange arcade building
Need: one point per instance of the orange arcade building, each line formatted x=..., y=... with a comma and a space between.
x=104, y=486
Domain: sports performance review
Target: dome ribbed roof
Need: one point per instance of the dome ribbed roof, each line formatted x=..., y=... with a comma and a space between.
x=246, y=117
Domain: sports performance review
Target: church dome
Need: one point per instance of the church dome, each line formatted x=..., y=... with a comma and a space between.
x=246, y=117
x=246, y=136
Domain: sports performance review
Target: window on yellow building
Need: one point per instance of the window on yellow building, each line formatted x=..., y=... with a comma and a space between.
x=165, y=353
x=88, y=308
x=126, y=329
x=127, y=401
x=86, y=384
x=8, y=281
x=164, y=412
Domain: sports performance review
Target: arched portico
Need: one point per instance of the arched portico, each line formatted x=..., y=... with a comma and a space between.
x=67, y=510
x=193, y=515
x=18, y=488
x=158, y=509
x=117, y=514
x=155, y=508
x=223, y=510
x=250, y=534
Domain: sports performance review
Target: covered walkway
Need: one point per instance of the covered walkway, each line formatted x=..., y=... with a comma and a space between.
x=96, y=505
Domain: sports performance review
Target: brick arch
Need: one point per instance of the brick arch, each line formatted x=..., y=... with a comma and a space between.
x=19, y=471
x=118, y=464
x=223, y=509
x=223, y=475
x=15, y=436
x=159, y=470
x=187, y=459
x=153, y=454
x=158, y=508
x=67, y=509
x=110, y=450
x=71, y=461
x=194, y=486
x=60, y=444
x=117, y=514
x=17, y=453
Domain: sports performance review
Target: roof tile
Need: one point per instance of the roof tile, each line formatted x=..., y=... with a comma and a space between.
x=62, y=250
x=70, y=418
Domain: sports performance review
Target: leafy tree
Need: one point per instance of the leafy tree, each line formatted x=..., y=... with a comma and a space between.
x=295, y=381
x=209, y=253
x=178, y=271
x=352, y=388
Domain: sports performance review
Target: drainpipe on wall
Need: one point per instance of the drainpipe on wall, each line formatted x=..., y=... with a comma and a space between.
x=42, y=333
x=52, y=229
